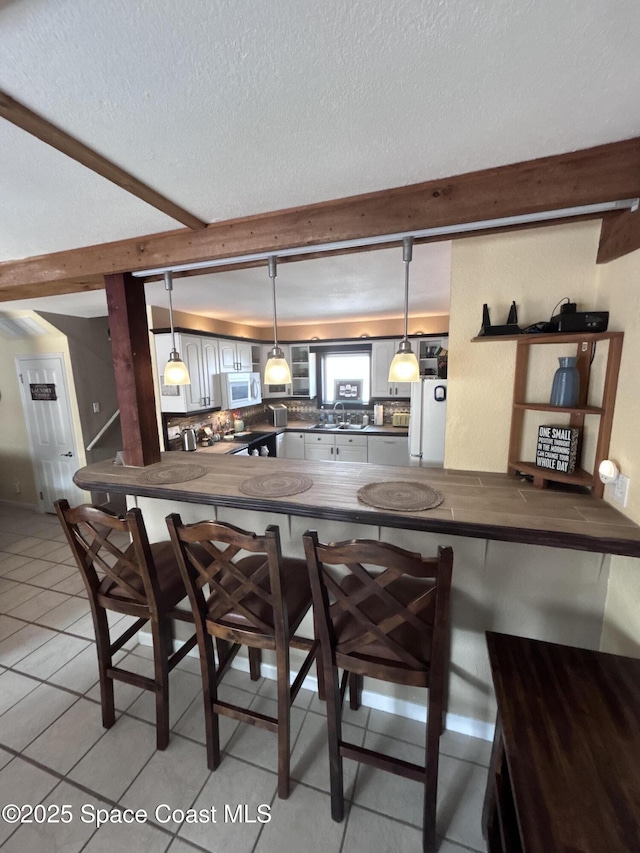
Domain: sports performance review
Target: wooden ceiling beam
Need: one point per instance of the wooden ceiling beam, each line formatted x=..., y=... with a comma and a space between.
x=620, y=234
x=594, y=175
x=26, y=119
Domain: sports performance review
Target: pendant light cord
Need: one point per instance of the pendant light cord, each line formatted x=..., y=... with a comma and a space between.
x=168, y=283
x=272, y=275
x=407, y=251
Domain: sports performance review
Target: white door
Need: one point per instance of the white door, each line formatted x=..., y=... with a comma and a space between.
x=45, y=401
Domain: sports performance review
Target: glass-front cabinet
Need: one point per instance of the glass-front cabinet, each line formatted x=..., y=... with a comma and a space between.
x=303, y=371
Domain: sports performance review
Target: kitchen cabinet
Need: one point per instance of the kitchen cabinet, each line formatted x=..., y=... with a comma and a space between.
x=428, y=349
x=335, y=448
x=238, y=356
x=303, y=371
x=271, y=391
x=388, y=449
x=382, y=353
x=200, y=354
x=292, y=446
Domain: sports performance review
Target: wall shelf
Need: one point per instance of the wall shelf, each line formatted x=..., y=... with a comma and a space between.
x=585, y=351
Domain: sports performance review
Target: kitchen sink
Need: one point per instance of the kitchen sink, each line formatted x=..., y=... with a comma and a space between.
x=352, y=427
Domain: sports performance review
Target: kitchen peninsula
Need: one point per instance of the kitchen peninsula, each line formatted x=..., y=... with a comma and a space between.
x=554, y=589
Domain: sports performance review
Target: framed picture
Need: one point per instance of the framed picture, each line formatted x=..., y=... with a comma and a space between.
x=348, y=389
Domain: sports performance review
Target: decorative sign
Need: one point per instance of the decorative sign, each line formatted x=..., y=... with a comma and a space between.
x=43, y=391
x=348, y=389
x=557, y=448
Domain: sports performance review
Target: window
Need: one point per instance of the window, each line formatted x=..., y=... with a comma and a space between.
x=344, y=374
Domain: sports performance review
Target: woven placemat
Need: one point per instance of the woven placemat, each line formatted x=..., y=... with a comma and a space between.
x=275, y=485
x=408, y=497
x=168, y=472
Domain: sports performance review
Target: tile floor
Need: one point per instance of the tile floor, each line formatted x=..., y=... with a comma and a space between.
x=54, y=751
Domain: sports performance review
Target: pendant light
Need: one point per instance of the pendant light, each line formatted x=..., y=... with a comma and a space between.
x=405, y=367
x=276, y=371
x=175, y=371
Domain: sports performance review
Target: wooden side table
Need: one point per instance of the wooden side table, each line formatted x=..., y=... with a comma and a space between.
x=565, y=767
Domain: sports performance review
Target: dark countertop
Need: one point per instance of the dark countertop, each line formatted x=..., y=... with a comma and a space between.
x=233, y=446
x=477, y=504
x=570, y=721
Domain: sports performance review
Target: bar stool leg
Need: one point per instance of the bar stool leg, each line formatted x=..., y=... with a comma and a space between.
x=103, y=647
x=284, y=720
x=162, y=643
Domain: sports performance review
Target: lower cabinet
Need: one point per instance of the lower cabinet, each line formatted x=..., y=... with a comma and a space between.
x=335, y=448
x=292, y=445
x=328, y=447
x=388, y=450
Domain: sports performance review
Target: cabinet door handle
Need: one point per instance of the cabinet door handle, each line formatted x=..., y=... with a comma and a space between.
x=332, y=452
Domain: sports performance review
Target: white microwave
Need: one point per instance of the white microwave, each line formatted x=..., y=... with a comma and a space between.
x=240, y=389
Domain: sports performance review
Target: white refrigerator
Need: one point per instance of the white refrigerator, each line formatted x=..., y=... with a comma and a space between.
x=427, y=421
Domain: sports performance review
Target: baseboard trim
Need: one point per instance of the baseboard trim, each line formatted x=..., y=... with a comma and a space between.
x=22, y=505
x=377, y=701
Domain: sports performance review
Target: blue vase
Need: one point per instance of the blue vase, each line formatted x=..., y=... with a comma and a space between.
x=566, y=383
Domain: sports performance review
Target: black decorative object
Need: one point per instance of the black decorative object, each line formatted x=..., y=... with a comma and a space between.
x=509, y=328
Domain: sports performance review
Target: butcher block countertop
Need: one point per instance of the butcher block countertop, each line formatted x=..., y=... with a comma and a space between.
x=476, y=504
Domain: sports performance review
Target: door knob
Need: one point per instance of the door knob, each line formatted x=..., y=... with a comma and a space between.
x=67, y=454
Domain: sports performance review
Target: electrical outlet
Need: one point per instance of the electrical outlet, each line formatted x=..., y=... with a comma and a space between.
x=96, y=408
x=17, y=488
x=620, y=490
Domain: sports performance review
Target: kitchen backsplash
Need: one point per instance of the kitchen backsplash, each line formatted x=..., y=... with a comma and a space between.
x=299, y=410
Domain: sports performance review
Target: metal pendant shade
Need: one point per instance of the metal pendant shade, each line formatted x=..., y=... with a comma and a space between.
x=405, y=367
x=277, y=370
x=175, y=370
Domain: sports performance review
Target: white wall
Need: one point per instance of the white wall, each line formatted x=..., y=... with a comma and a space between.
x=15, y=455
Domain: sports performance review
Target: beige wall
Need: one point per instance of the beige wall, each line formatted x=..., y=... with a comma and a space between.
x=434, y=324
x=536, y=268
x=15, y=455
x=619, y=293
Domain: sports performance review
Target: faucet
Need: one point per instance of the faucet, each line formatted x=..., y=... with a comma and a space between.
x=335, y=406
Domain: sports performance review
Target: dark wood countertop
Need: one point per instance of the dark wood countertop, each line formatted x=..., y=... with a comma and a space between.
x=569, y=723
x=476, y=504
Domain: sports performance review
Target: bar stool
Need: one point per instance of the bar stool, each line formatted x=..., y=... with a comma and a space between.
x=257, y=598
x=386, y=617
x=140, y=580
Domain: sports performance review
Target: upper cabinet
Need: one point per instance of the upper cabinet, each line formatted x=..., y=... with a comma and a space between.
x=428, y=349
x=303, y=371
x=271, y=391
x=238, y=356
x=200, y=354
x=382, y=353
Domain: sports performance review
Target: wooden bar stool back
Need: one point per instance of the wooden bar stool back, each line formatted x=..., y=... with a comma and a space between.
x=383, y=612
x=256, y=598
x=124, y=573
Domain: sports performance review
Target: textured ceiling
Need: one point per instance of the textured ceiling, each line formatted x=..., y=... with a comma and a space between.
x=231, y=107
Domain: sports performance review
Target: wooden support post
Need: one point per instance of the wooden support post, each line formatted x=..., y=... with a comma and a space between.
x=132, y=365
